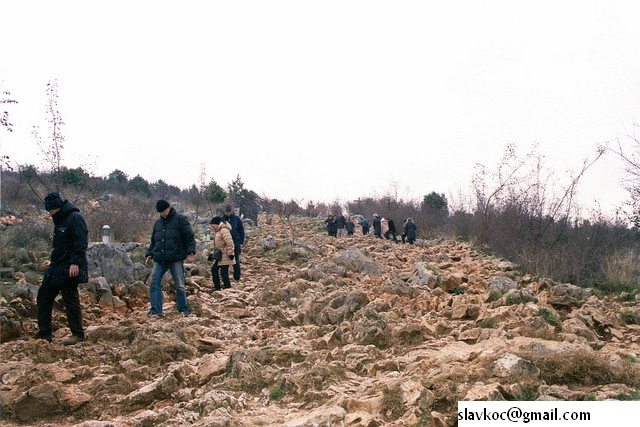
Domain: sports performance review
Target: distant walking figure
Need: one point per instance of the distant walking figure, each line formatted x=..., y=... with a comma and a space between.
x=391, y=230
x=332, y=226
x=409, y=231
x=341, y=223
x=351, y=227
x=237, y=233
x=377, y=226
x=365, y=226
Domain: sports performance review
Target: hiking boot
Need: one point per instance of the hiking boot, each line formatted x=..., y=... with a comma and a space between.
x=73, y=340
x=42, y=336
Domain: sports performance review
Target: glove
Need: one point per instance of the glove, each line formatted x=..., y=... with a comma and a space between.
x=231, y=257
x=210, y=257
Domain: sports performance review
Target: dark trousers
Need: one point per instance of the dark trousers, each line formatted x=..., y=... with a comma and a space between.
x=236, y=266
x=54, y=283
x=216, y=272
x=390, y=234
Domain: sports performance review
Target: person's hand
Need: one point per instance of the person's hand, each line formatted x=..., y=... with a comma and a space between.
x=191, y=258
x=147, y=261
x=73, y=270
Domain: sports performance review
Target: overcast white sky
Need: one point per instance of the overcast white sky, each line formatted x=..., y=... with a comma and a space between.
x=325, y=100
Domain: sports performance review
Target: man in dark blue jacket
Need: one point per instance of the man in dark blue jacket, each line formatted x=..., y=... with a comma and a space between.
x=68, y=268
x=237, y=233
x=172, y=241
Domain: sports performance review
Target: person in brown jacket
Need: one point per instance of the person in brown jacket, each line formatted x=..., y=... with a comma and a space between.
x=223, y=255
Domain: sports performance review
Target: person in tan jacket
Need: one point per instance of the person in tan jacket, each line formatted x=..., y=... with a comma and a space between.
x=223, y=252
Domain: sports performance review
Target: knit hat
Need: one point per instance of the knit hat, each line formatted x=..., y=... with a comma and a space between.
x=216, y=220
x=161, y=205
x=52, y=201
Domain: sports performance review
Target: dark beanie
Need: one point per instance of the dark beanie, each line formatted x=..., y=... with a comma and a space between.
x=216, y=220
x=161, y=205
x=52, y=201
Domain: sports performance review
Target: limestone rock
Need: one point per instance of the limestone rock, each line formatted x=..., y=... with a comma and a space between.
x=351, y=331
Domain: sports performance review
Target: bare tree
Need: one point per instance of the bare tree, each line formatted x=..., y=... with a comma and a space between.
x=628, y=150
x=5, y=98
x=198, y=193
x=52, y=148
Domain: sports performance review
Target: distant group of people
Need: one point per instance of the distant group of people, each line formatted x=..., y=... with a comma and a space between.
x=338, y=225
x=172, y=243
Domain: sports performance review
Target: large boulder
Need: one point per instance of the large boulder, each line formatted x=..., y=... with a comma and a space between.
x=112, y=261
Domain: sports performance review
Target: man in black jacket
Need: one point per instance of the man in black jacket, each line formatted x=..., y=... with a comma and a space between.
x=377, y=226
x=68, y=268
x=237, y=233
x=392, y=231
x=172, y=241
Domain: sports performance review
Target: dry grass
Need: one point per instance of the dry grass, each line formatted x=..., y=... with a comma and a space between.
x=621, y=271
x=393, y=403
x=582, y=367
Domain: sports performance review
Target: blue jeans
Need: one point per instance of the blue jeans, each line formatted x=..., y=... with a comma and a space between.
x=155, y=293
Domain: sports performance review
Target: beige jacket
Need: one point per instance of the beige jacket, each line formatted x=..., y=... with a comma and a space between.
x=222, y=240
x=384, y=225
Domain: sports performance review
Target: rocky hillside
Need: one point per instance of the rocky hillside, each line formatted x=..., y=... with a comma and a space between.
x=319, y=332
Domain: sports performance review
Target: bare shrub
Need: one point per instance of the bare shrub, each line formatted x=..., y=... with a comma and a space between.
x=34, y=237
x=524, y=214
x=130, y=218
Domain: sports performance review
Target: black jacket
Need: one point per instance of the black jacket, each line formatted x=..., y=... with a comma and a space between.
x=351, y=226
x=332, y=224
x=410, y=230
x=377, y=226
x=172, y=239
x=70, y=241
